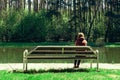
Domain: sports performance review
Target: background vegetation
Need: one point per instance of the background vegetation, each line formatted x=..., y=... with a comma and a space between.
x=59, y=20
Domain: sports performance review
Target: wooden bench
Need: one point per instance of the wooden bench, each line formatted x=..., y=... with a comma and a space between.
x=60, y=52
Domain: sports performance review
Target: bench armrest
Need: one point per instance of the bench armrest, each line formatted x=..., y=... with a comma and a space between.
x=25, y=53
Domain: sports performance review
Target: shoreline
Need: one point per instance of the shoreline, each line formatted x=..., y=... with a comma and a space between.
x=46, y=66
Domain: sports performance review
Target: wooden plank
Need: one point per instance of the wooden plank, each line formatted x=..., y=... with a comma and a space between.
x=78, y=52
x=48, y=51
x=60, y=57
x=65, y=47
x=61, y=52
x=50, y=57
x=59, y=48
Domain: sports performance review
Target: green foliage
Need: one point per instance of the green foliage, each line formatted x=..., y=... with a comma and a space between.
x=34, y=27
x=57, y=28
x=61, y=21
x=8, y=24
x=100, y=42
x=2, y=29
x=113, y=27
x=99, y=30
x=31, y=28
x=13, y=19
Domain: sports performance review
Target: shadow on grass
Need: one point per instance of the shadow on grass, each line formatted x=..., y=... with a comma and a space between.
x=68, y=70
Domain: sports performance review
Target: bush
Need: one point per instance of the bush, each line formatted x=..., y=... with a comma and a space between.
x=31, y=28
x=100, y=42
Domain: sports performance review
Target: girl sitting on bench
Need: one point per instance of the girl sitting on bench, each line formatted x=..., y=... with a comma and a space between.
x=80, y=41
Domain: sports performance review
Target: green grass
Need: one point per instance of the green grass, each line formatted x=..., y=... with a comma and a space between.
x=31, y=44
x=67, y=74
x=115, y=44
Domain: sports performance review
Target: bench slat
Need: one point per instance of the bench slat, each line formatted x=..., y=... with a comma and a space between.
x=60, y=57
x=60, y=52
x=61, y=47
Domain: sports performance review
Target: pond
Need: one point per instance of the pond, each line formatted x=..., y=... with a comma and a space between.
x=15, y=54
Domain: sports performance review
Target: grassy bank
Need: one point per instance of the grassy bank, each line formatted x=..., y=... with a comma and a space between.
x=90, y=74
x=115, y=44
x=28, y=44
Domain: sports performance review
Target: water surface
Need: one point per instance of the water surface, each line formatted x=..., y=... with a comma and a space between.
x=15, y=55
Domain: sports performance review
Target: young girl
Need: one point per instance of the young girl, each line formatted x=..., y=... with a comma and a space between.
x=80, y=41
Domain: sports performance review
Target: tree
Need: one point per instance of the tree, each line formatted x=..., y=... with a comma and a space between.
x=2, y=5
x=35, y=3
x=29, y=6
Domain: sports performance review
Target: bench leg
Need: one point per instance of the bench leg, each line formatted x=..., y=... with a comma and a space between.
x=97, y=61
x=97, y=64
x=91, y=64
x=25, y=65
x=25, y=60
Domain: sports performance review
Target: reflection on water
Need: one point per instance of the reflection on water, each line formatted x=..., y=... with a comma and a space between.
x=14, y=54
x=110, y=55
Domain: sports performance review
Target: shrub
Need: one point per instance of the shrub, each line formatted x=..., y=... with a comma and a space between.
x=31, y=28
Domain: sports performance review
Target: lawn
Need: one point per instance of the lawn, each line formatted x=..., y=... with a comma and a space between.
x=67, y=74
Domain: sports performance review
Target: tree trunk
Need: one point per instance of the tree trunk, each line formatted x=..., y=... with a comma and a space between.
x=20, y=4
x=41, y=4
x=74, y=9
x=35, y=3
x=92, y=21
x=29, y=6
x=2, y=5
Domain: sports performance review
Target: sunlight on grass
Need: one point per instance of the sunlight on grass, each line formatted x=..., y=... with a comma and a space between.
x=113, y=76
